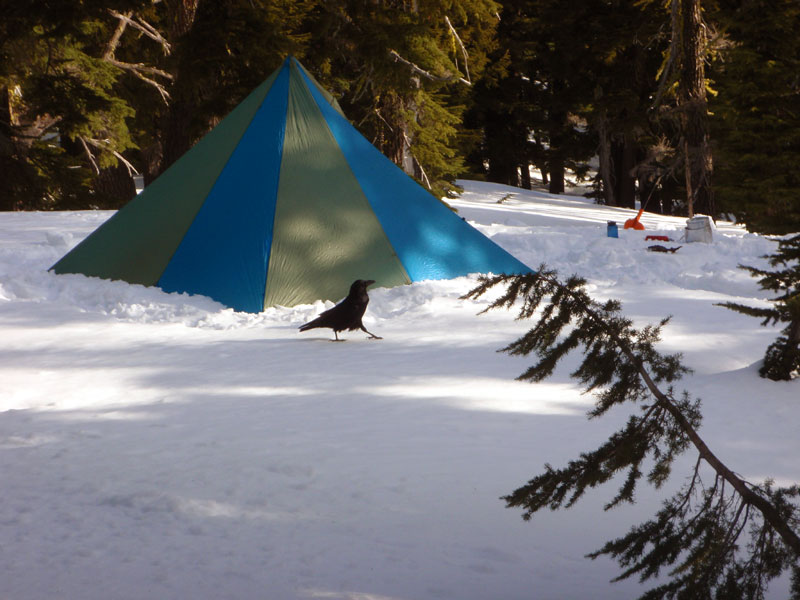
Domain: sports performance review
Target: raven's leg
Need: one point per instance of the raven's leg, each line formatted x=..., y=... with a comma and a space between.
x=336, y=335
x=372, y=336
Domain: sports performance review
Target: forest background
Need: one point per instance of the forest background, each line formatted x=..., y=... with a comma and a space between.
x=681, y=105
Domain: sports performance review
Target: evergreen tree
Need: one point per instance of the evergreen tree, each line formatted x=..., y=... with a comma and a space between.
x=757, y=115
x=692, y=104
x=629, y=41
x=503, y=110
x=402, y=72
x=682, y=153
x=543, y=88
x=222, y=51
x=61, y=120
x=782, y=359
x=83, y=90
x=596, y=64
x=700, y=531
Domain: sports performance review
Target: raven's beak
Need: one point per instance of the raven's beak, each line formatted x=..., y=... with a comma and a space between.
x=369, y=282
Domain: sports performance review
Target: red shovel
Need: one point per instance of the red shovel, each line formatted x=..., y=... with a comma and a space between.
x=634, y=223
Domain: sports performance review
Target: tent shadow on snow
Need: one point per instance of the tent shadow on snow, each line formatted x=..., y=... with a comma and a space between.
x=284, y=203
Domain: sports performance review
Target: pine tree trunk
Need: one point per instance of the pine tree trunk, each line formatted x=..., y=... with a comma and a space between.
x=793, y=332
x=181, y=16
x=556, y=165
x=545, y=178
x=503, y=172
x=694, y=111
x=626, y=181
x=622, y=160
x=176, y=132
x=114, y=186
x=649, y=197
x=666, y=195
x=606, y=162
x=525, y=176
x=5, y=118
x=394, y=136
x=556, y=175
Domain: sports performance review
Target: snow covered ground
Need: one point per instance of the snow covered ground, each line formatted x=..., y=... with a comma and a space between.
x=157, y=446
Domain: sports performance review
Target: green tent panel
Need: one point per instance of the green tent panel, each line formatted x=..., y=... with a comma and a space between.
x=284, y=203
x=332, y=235
x=137, y=242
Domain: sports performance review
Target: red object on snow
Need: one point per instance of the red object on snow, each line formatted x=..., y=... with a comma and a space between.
x=660, y=238
x=634, y=222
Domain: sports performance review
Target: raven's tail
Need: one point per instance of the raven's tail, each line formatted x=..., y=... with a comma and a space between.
x=310, y=325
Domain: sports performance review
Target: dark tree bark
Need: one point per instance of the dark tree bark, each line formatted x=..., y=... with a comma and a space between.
x=543, y=170
x=618, y=158
x=525, y=173
x=694, y=110
x=556, y=175
x=176, y=131
x=667, y=194
x=556, y=160
x=503, y=172
x=606, y=162
x=623, y=155
x=114, y=186
x=181, y=16
x=647, y=195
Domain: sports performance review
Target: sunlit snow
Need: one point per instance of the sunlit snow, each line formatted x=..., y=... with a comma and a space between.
x=157, y=446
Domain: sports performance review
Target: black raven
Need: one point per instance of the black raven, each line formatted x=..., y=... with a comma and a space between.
x=347, y=314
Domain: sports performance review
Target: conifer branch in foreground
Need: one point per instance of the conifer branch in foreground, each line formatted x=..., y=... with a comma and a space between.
x=782, y=358
x=720, y=534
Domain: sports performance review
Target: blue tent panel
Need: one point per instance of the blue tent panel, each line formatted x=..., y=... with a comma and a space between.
x=225, y=253
x=431, y=241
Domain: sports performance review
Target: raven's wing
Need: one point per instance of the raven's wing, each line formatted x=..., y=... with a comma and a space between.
x=345, y=315
x=329, y=318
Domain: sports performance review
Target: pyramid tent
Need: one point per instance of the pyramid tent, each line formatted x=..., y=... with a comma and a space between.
x=284, y=203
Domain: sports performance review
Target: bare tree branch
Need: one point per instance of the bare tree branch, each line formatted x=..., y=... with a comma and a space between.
x=114, y=41
x=144, y=27
x=139, y=69
x=424, y=175
x=89, y=155
x=427, y=74
x=103, y=145
x=461, y=44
